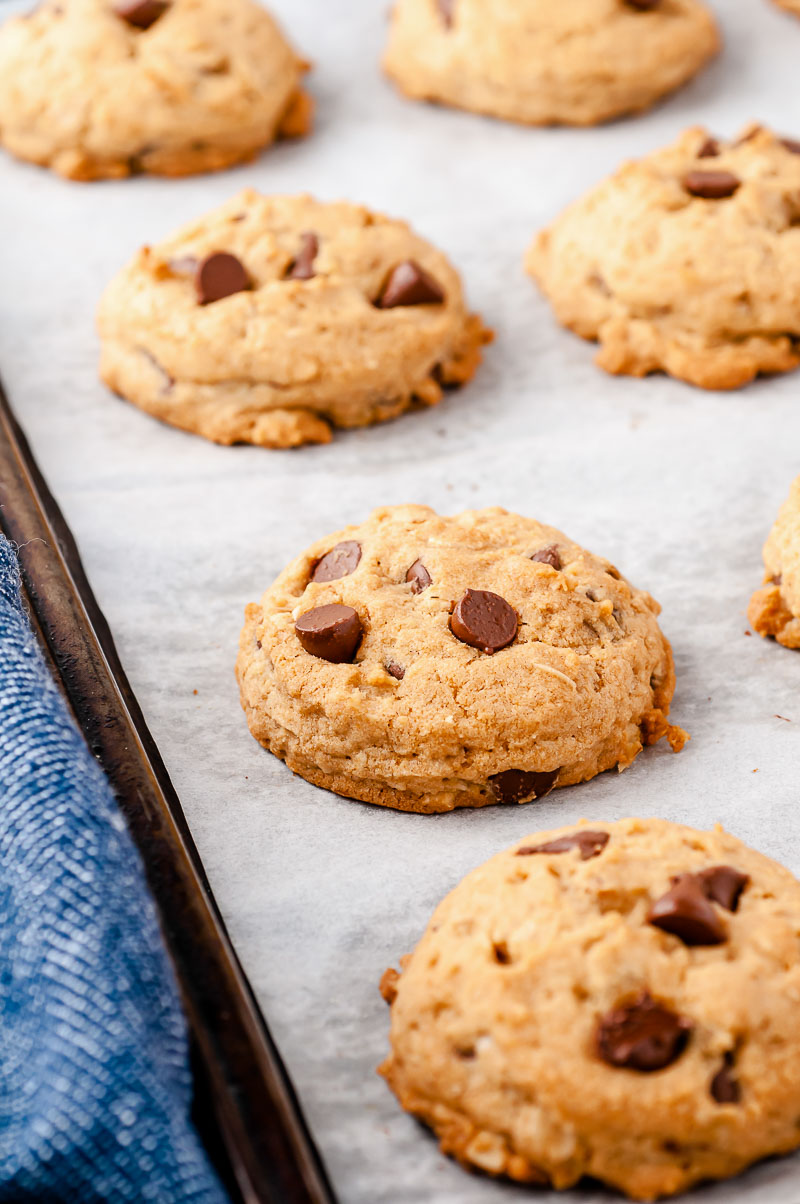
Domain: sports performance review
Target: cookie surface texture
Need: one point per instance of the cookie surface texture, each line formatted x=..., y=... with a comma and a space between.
x=775, y=608
x=542, y=63
x=477, y=672
x=98, y=89
x=273, y=319
x=547, y=1028
x=685, y=262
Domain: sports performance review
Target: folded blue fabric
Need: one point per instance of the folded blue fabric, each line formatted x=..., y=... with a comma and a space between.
x=95, y=1088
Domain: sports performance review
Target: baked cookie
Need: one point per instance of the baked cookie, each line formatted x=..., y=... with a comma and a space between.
x=99, y=89
x=686, y=261
x=542, y=63
x=272, y=319
x=775, y=608
x=617, y=1000
x=429, y=663
x=791, y=6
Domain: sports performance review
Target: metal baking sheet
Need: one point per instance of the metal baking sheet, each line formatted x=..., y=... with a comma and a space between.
x=676, y=486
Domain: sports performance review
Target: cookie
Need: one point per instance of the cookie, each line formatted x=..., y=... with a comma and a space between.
x=685, y=261
x=273, y=319
x=541, y=63
x=428, y=663
x=791, y=6
x=616, y=1000
x=775, y=608
x=101, y=89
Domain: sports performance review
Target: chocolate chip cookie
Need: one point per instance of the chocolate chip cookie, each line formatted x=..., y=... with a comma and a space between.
x=791, y=6
x=775, y=608
x=99, y=89
x=542, y=63
x=273, y=319
x=612, y=999
x=429, y=663
x=685, y=261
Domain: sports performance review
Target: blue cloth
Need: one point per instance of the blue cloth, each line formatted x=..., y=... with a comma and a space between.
x=95, y=1088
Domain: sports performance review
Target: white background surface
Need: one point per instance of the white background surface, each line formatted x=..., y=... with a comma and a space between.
x=676, y=486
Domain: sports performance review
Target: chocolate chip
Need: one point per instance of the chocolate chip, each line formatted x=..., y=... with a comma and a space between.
x=341, y=561
x=330, y=632
x=395, y=670
x=725, y=1087
x=220, y=275
x=520, y=785
x=711, y=185
x=141, y=13
x=447, y=9
x=548, y=556
x=791, y=144
x=642, y=1035
x=686, y=913
x=484, y=620
x=419, y=577
x=302, y=266
x=409, y=284
x=590, y=843
x=643, y=6
x=709, y=149
x=723, y=884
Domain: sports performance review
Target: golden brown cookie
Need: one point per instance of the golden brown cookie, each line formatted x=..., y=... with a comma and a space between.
x=617, y=1000
x=538, y=62
x=428, y=663
x=99, y=89
x=775, y=608
x=686, y=261
x=273, y=319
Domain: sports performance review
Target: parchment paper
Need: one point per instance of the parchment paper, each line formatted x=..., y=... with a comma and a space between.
x=676, y=486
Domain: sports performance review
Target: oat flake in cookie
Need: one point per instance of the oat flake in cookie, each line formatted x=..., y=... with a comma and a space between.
x=100, y=89
x=540, y=62
x=547, y=1027
x=428, y=663
x=775, y=608
x=685, y=262
x=273, y=319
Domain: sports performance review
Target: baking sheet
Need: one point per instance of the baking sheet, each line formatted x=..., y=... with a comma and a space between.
x=675, y=486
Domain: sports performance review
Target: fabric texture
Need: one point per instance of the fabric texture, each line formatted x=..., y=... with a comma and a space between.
x=95, y=1087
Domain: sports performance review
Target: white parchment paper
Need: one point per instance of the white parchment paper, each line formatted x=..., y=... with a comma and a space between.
x=676, y=486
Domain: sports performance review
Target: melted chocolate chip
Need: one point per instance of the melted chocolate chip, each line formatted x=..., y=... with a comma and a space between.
x=396, y=671
x=520, y=785
x=686, y=912
x=709, y=149
x=484, y=620
x=419, y=577
x=409, y=284
x=220, y=275
x=141, y=14
x=723, y=884
x=590, y=843
x=548, y=556
x=302, y=266
x=341, y=561
x=711, y=185
x=724, y=1086
x=791, y=144
x=330, y=632
x=643, y=6
x=642, y=1035
x=447, y=10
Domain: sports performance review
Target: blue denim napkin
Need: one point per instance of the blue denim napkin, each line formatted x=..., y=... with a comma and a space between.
x=95, y=1088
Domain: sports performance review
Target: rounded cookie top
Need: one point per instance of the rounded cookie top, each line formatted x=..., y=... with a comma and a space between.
x=775, y=608
x=109, y=88
x=428, y=663
x=273, y=318
x=686, y=261
x=539, y=63
x=614, y=999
